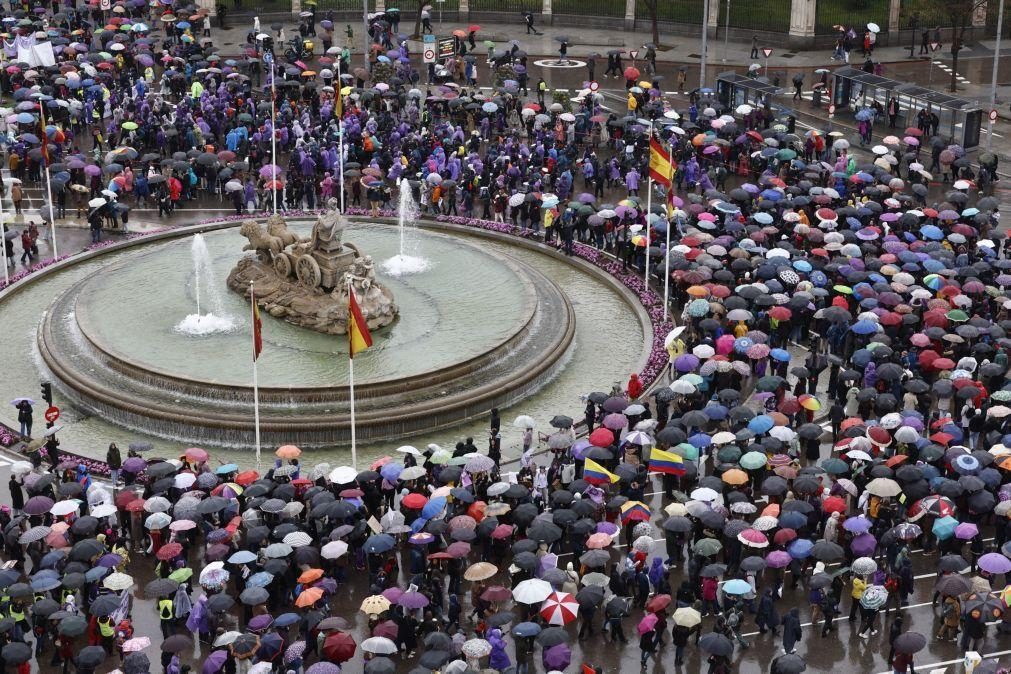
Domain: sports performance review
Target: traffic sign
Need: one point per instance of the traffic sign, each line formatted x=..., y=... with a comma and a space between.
x=105, y=5
x=447, y=47
x=831, y=109
x=594, y=86
x=634, y=54
x=52, y=414
x=767, y=51
x=993, y=115
x=429, y=55
x=934, y=46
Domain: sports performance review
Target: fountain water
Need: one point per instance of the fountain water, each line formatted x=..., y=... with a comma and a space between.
x=216, y=320
x=403, y=263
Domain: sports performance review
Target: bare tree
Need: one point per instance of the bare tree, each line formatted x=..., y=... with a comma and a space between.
x=651, y=7
x=960, y=14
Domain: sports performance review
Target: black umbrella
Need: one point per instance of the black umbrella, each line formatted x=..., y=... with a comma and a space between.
x=104, y=605
x=909, y=642
x=590, y=596
x=552, y=636
x=16, y=653
x=789, y=663
x=136, y=663
x=716, y=644
x=91, y=656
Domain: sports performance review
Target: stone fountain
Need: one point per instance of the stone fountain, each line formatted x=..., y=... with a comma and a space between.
x=306, y=281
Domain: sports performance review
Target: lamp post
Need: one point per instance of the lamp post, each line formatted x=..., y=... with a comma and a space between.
x=705, y=43
x=993, y=79
x=726, y=33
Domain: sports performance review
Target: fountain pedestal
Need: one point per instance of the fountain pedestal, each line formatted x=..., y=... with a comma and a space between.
x=306, y=281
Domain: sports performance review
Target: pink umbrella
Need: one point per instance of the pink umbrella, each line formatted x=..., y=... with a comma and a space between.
x=753, y=538
x=615, y=422
x=598, y=541
x=647, y=624
x=725, y=344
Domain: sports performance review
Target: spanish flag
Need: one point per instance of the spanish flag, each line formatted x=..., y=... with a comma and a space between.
x=660, y=168
x=257, y=327
x=661, y=461
x=594, y=473
x=359, y=338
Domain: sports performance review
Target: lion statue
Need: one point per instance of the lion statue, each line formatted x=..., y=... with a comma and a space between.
x=260, y=241
x=278, y=227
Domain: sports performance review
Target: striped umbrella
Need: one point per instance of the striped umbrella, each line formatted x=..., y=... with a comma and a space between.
x=560, y=608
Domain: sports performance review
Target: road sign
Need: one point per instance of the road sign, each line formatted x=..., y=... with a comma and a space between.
x=52, y=414
x=594, y=86
x=634, y=54
x=831, y=109
x=447, y=47
x=429, y=48
x=767, y=51
x=993, y=115
x=105, y=5
x=934, y=46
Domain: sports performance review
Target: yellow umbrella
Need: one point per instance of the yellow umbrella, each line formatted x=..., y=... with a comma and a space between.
x=375, y=604
x=480, y=571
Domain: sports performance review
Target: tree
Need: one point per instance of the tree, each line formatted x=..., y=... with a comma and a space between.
x=651, y=7
x=960, y=14
x=422, y=6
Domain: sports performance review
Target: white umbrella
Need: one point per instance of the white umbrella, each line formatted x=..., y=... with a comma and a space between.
x=103, y=510
x=334, y=550
x=412, y=473
x=97, y=202
x=517, y=199
x=532, y=591
x=157, y=521
x=874, y=28
x=476, y=648
x=297, y=539
x=343, y=475
x=118, y=582
x=407, y=449
x=61, y=508
x=379, y=646
x=227, y=638
x=524, y=421
x=498, y=488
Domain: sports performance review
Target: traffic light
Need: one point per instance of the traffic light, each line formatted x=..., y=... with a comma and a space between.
x=47, y=392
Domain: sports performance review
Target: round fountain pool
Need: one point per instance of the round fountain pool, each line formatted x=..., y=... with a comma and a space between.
x=608, y=343
x=458, y=348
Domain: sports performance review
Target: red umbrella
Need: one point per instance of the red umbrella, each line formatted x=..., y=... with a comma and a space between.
x=387, y=629
x=246, y=478
x=169, y=551
x=126, y=497
x=834, y=504
x=601, y=438
x=658, y=603
x=414, y=501
x=631, y=73
x=339, y=647
x=784, y=536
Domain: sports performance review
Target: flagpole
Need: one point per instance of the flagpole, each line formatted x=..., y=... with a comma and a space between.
x=670, y=218
x=273, y=132
x=3, y=240
x=49, y=185
x=340, y=135
x=649, y=209
x=256, y=385
x=351, y=376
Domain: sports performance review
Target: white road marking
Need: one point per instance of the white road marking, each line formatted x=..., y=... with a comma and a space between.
x=952, y=662
x=846, y=617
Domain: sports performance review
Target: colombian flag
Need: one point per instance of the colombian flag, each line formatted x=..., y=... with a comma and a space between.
x=257, y=327
x=666, y=462
x=359, y=338
x=594, y=473
x=635, y=511
x=660, y=168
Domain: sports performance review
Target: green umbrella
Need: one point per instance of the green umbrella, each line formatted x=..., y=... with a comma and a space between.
x=957, y=315
x=686, y=451
x=769, y=384
x=729, y=454
x=786, y=154
x=707, y=547
x=753, y=461
x=834, y=466
x=845, y=290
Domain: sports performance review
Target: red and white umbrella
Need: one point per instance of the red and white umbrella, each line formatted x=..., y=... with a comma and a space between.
x=560, y=608
x=753, y=538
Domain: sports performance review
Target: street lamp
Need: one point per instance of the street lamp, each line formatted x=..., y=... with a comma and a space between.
x=705, y=43
x=993, y=80
x=913, y=23
x=726, y=33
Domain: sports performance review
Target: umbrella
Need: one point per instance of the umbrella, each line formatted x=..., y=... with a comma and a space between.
x=716, y=644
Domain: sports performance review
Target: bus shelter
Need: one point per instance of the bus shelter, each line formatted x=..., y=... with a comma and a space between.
x=734, y=89
x=960, y=118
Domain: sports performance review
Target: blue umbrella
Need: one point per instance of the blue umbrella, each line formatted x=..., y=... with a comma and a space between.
x=792, y=520
x=865, y=115
x=700, y=440
x=737, y=586
x=286, y=619
x=864, y=327
x=226, y=469
x=25, y=118
x=433, y=507
x=259, y=579
x=931, y=232
x=527, y=629
x=761, y=424
x=801, y=547
x=966, y=463
x=782, y=355
x=379, y=543
x=772, y=195
x=716, y=412
x=391, y=471
x=242, y=557
x=944, y=528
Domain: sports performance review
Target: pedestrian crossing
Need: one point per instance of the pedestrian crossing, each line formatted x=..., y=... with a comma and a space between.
x=946, y=68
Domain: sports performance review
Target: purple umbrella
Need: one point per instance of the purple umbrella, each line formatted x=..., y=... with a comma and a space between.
x=557, y=657
x=586, y=198
x=92, y=170
x=994, y=562
x=109, y=560
x=270, y=171
x=260, y=622
x=323, y=668
x=858, y=525
x=966, y=531
x=864, y=545
x=412, y=600
x=38, y=505
x=778, y=559
x=615, y=421
x=609, y=528
x=578, y=449
x=134, y=464
x=214, y=662
x=393, y=593
x=686, y=362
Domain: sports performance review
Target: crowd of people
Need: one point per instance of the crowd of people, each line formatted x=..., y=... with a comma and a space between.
x=837, y=394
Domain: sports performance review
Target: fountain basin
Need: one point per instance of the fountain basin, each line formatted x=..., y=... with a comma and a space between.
x=128, y=366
